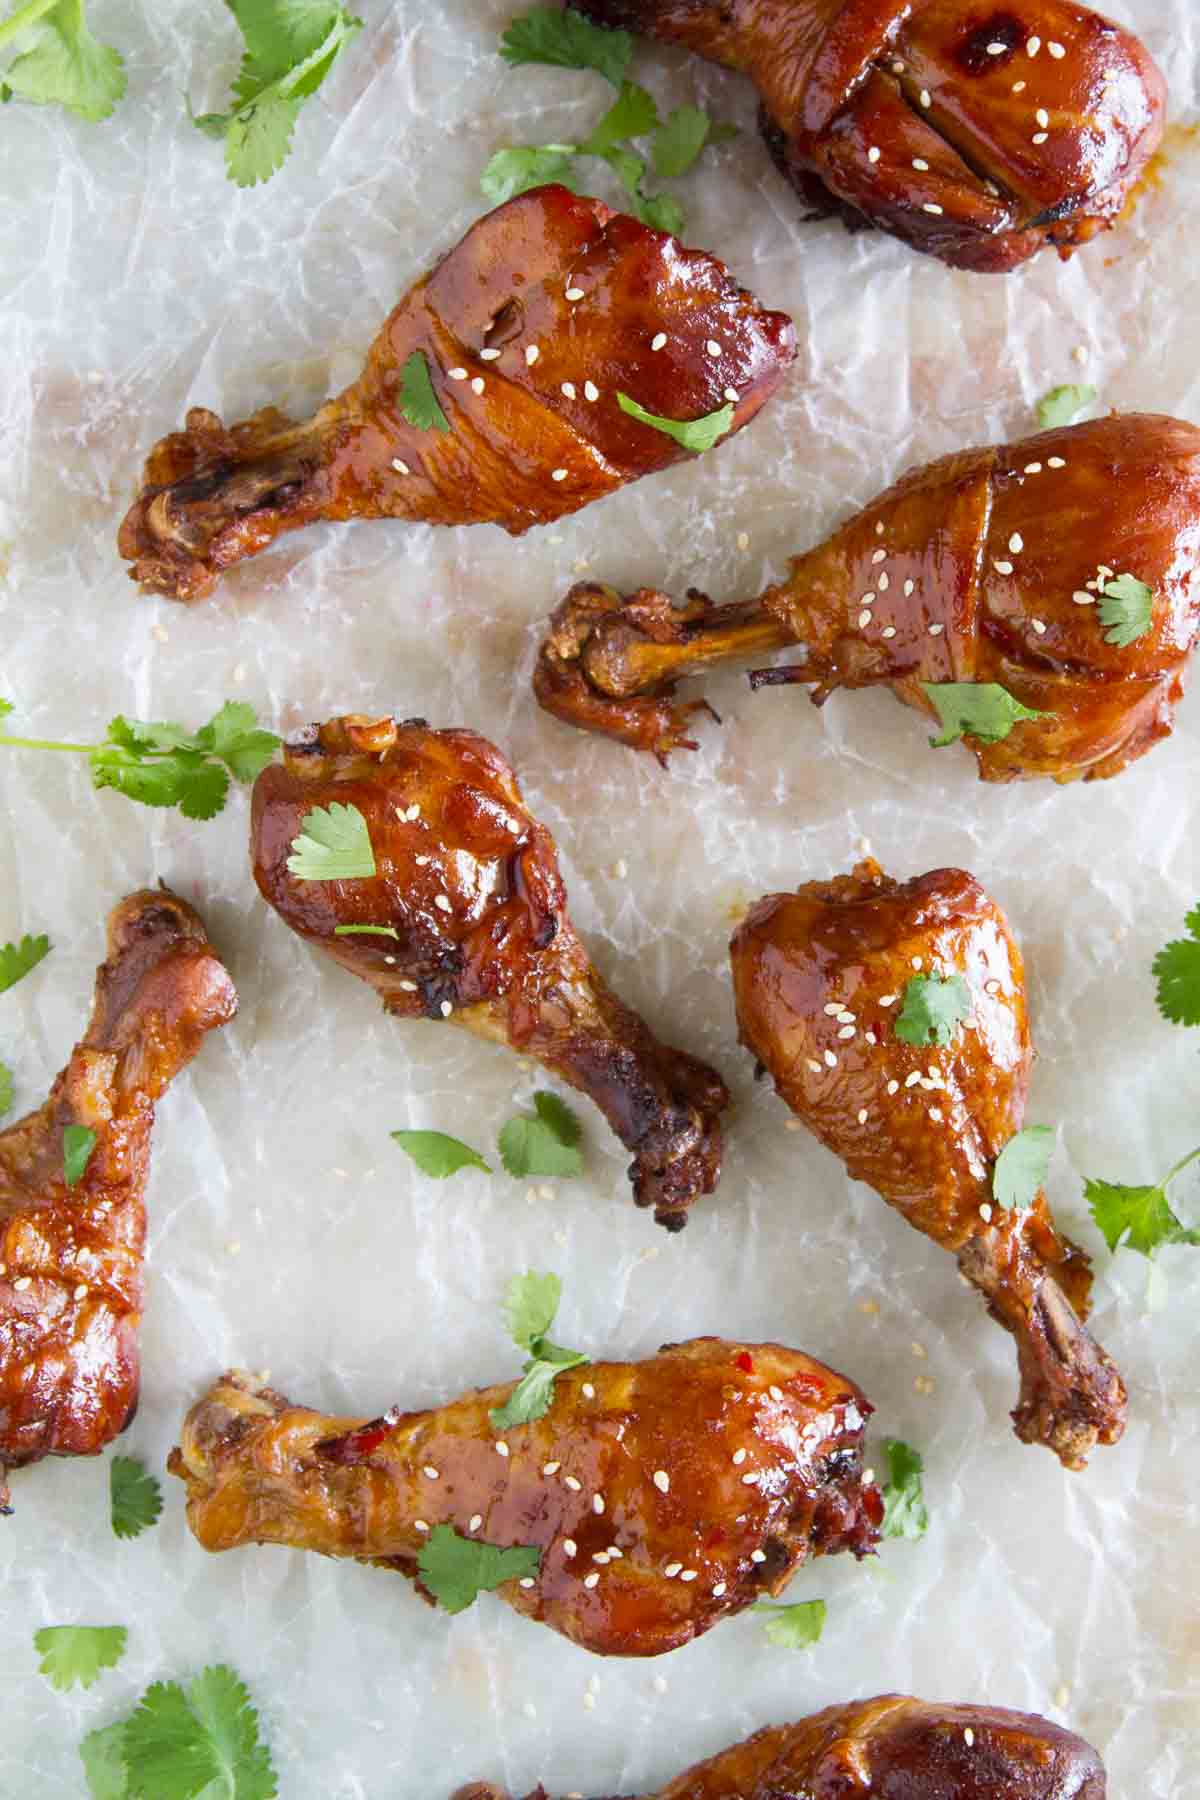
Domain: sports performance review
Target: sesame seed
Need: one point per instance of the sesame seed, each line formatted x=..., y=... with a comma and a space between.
x=889, y=631
x=996, y=49
x=571, y=1482
x=1033, y=468
x=600, y=1556
x=689, y=1575
x=22, y=1282
x=501, y=1447
x=833, y=1008
x=912, y=1080
x=968, y=1737
x=568, y=388
x=447, y=1009
x=909, y=587
x=488, y=355
x=862, y=1117
x=476, y=1522
x=918, y=962
x=936, y=630
x=1034, y=45
x=775, y=1392
x=477, y=384
x=590, y=391
x=1040, y=137
x=558, y=474
x=874, y=154
x=1003, y=568
x=531, y=354
x=443, y=903
x=1083, y=599
x=659, y=341
x=846, y=1018
x=713, y=348
x=614, y=1553
x=551, y=1468
x=1039, y=625
x=985, y=1213
x=931, y=206
x=936, y=1114
x=81, y=1291
x=732, y=395
x=430, y=1472
x=925, y=1385
x=672, y=1570
x=587, y=1390
x=590, y=1581
x=889, y=999
x=457, y=374
x=718, y=1590
x=758, y=1556
x=1080, y=353
x=1042, y=116
x=926, y=97
x=991, y=987
x=864, y=617
x=597, y=1503
x=830, y=1060
x=1019, y=87
x=750, y=1479
x=920, y=164
x=1016, y=543
x=814, y=1066
x=739, y=1457
x=743, y=540
x=662, y=1481
x=401, y=468
x=574, y=293
x=410, y=987
x=847, y=1032
x=1056, y=462
x=569, y=1547
x=1057, y=51
x=885, y=581
x=893, y=1087
x=420, y=1525
x=879, y=556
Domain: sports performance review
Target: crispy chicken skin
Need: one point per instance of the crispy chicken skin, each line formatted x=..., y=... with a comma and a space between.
x=924, y=1126
x=979, y=134
x=984, y=566
x=469, y=883
x=573, y=1483
x=529, y=328
x=893, y=1748
x=71, y=1258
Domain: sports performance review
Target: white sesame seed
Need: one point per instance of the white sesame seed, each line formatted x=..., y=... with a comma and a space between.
x=718, y=1590
x=1034, y=45
x=968, y=1737
x=658, y=342
x=558, y=474
x=936, y=630
x=931, y=206
x=775, y=1392
x=985, y=1213
x=457, y=374
x=1082, y=599
x=597, y=1503
x=758, y=1556
x=22, y=1282
x=430, y=1472
x=476, y=1522
x=879, y=556
x=893, y=1087
x=830, y=1060
x=713, y=348
x=443, y=903
x=732, y=395
x=1033, y=468
x=571, y=1482
x=833, y=1008
x=909, y=586
x=814, y=1066
x=1039, y=625
x=401, y=468
x=888, y=999
x=918, y=962
x=935, y=1113
x=551, y=1468
x=447, y=1008
x=1016, y=543
x=672, y=1570
x=750, y=1479
x=1019, y=87
x=568, y=388
x=1056, y=462
x=926, y=97
x=590, y=391
x=662, y=1481
x=410, y=987
x=1080, y=353
x=920, y=164
x=870, y=1037
x=587, y=1390
x=1040, y=137
x=996, y=49
x=862, y=1117
x=501, y=1447
x=689, y=1575
x=531, y=354
x=845, y=1017
x=1057, y=51
x=1042, y=116
x=991, y=987
x=912, y=1080
x=590, y=1581
x=889, y=631
x=738, y=1458
x=81, y=1292
x=477, y=384
x=614, y=1553
x=743, y=540
x=885, y=581
x=489, y=355
x=847, y=1032
x=1003, y=568
x=864, y=617
x=569, y=1547
x=574, y=293
x=600, y=1556
x=874, y=154
x=420, y=1525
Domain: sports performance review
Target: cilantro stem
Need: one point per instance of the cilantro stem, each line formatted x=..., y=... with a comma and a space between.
x=1180, y=1167
x=24, y=17
x=24, y=743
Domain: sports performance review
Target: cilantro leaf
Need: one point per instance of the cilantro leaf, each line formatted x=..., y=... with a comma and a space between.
x=437, y=1154
x=65, y=66
x=103, y=1756
x=682, y=136
x=978, y=709
x=796, y=1627
x=16, y=960
x=631, y=114
x=180, y=1746
x=78, y=1653
x=1062, y=404
x=545, y=1145
x=934, y=1008
x=533, y=1394
x=530, y=1306
x=1127, y=608
x=1020, y=1168
x=6, y=1088
x=291, y=45
x=1141, y=1218
x=135, y=1497
x=333, y=845
x=233, y=736
x=515, y=171
x=418, y=402
x=693, y=434
x=567, y=40
x=1177, y=971
x=904, y=1511
x=456, y=1570
x=657, y=210
x=78, y=1144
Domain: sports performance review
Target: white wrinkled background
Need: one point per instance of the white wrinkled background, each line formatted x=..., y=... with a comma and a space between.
x=286, y=1231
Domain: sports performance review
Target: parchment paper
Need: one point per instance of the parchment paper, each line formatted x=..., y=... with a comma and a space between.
x=287, y=1232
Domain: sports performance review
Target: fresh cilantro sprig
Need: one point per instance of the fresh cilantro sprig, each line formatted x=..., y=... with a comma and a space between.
x=933, y=1009
x=546, y=1145
x=135, y=1497
x=1127, y=609
x=78, y=1144
x=1063, y=404
x=1020, y=1169
x=418, y=402
x=905, y=1514
x=16, y=960
x=978, y=709
x=161, y=764
x=1139, y=1218
x=291, y=45
x=566, y=40
x=333, y=844
x=64, y=65
x=437, y=1154
x=682, y=136
x=77, y=1654
x=796, y=1627
x=456, y=1569
x=694, y=434
x=195, y=1743
x=1176, y=971
x=529, y=1309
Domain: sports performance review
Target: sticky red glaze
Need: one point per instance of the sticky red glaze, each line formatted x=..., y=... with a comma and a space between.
x=469, y=882
x=519, y=451
x=71, y=1258
x=261, y=1470
x=1031, y=124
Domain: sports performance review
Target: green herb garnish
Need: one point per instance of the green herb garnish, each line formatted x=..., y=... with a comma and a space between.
x=64, y=65
x=934, y=1007
x=904, y=1511
x=135, y=1497
x=1063, y=404
x=78, y=1144
x=1020, y=1168
x=693, y=434
x=566, y=40
x=418, y=402
x=456, y=1570
x=198, y=1743
x=796, y=1627
x=16, y=960
x=1139, y=1218
x=1127, y=608
x=529, y=1309
x=545, y=1145
x=978, y=709
x=1177, y=972
x=437, y=1154
x=77, y=1654
x=333, y=844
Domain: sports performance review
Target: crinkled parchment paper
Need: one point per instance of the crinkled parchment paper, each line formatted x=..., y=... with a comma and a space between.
x=287, y=1232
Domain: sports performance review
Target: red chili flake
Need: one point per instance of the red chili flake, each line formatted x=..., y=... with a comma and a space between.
x=745, y=1362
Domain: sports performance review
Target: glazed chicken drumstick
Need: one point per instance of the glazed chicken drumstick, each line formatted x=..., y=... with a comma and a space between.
x=522, y=336
x=468, y=891
x=979, y=134
x=989, y=567
x=661, y=1496
x=71, y=1257
x=896, y=1748
x=820, y=977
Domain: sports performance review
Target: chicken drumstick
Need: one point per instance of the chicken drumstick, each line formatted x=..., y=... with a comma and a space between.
x=71, y=1257
x=662, y=1496
x=979, y=134
x=819, y=979
x=523, y=336
x=896, y=1748
x=467, y=888
x=989, y=566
